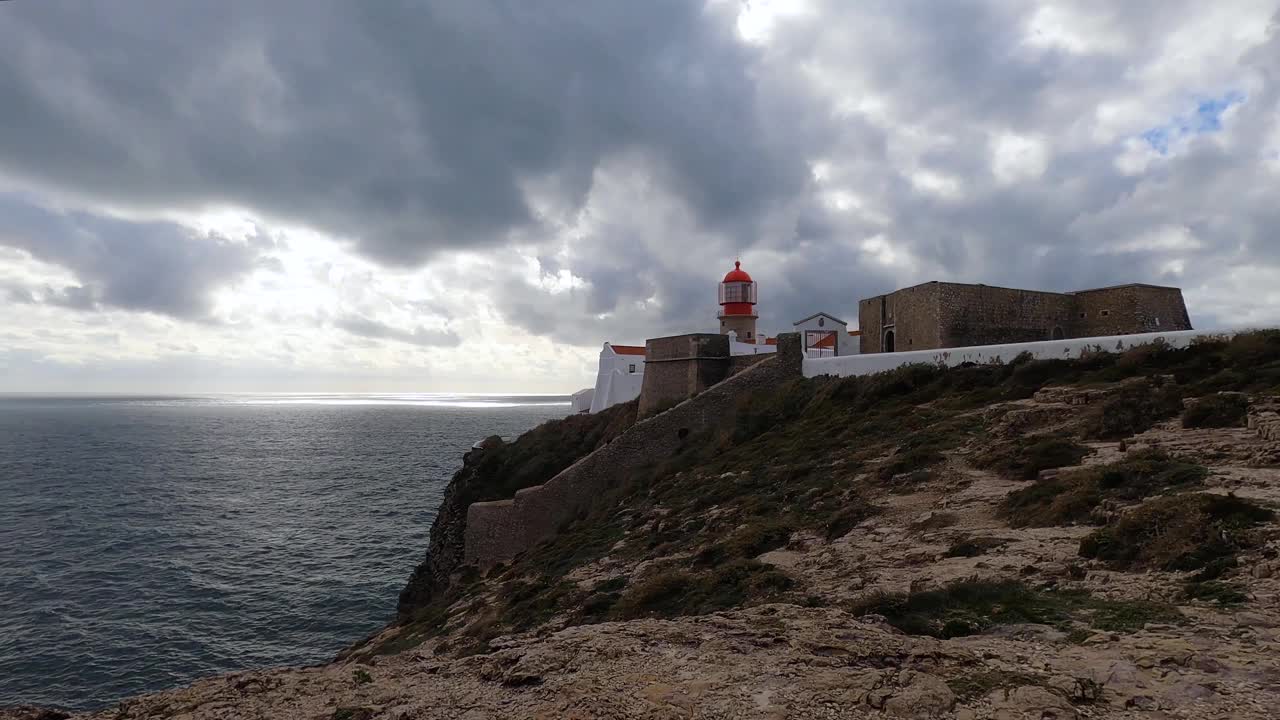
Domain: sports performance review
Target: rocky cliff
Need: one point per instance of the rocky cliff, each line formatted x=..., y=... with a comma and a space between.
x=494, y=471
x=1043, y=539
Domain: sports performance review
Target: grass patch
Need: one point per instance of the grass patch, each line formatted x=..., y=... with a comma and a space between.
x=971, y=607
x=974, y=546
x=353, y=713
x=678, y=592
x=1072, y=497
x=1222, y=593
x=844, y=520
x=1188, y=532
x=1223, y=410
x=979, y=685
x=1024, y=458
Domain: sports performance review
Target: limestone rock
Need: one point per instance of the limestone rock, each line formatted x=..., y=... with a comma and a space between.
x=925, y=696
x=1030, y=701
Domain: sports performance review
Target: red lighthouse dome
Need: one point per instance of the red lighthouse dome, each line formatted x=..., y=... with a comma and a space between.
x=737, y=293
x=737, y=274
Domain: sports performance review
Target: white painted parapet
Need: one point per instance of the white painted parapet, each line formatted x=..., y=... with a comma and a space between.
x=850, y=365
x=741, y=348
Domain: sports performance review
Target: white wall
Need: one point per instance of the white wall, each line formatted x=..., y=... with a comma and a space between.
x=850, y=365
x=741, y=348
x=615, y=383
x=581, y=400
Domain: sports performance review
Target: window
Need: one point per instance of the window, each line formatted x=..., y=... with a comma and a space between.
x=822, y=322
x=748, y=334
x=1106, y=313
x=632, y=368
x=1082, y=316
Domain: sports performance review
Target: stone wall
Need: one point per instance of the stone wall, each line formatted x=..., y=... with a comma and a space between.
x=912, y=314
x=1129, y=309
x=497, y=531
x=985, y=315
x=738, y=363
x=677, y=368
x=943, y=315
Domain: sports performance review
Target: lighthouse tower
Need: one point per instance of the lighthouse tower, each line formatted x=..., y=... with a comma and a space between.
x=738, y=304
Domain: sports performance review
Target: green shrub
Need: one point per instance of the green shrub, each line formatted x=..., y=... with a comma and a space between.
x=361, y=676
x=1214, y=591
x=1073, y=496
x=973, y=606
x=852, y=511
x=1217, y=411
x=1137, y=409
x=1024, y=458
x=678, y=592
x=1187, y=532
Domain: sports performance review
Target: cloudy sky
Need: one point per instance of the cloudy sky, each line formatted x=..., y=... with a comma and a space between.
x=473, y=196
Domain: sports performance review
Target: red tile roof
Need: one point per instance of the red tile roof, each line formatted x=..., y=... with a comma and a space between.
x=771, y=341
x=627, y=349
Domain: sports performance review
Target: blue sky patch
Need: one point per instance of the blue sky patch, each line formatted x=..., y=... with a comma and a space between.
x=1206, y=118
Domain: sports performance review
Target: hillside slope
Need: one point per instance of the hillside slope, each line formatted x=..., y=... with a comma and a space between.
x=1092, y=538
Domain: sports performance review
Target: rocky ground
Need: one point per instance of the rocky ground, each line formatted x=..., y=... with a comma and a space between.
x=816, y=652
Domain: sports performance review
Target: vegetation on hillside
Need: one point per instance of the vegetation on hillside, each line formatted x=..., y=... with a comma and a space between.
x=1074, y=496
x=969, y=607
x=540, y=454
x=1217, y=411
x=812, y=460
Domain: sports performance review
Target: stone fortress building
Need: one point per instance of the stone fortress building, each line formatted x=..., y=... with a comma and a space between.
x=946, y=315
x=930, y=316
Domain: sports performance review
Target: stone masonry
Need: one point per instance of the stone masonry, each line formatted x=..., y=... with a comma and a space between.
x=677, y=368
x=497, y=531
x=945, y=315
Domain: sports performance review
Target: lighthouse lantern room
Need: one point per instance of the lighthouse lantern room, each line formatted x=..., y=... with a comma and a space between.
x=738, y=304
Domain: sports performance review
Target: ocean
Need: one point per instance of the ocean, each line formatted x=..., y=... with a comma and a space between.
x=146, y=542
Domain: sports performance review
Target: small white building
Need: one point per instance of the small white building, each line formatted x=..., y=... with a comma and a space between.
x=826, y=335
x=620, y=376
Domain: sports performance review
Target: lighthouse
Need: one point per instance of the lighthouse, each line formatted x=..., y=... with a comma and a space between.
x=738, y=304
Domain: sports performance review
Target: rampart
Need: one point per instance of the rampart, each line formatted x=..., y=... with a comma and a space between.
x=497, y=531
x=677, y=368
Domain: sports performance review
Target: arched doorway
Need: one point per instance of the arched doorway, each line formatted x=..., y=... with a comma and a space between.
x=1058, y=334
x=888, y=341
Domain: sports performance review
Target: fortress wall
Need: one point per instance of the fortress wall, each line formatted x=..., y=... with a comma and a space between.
x=497, y=531
x=851, y=365
x=741, y=362
x=679, y=367
x=1128, y=309
x=913, y=313
x=985, y=315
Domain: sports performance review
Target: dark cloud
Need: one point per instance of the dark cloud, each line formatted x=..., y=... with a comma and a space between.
x=366, y=328
x=150, y=267
x=638, y=148
x=408, y=127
